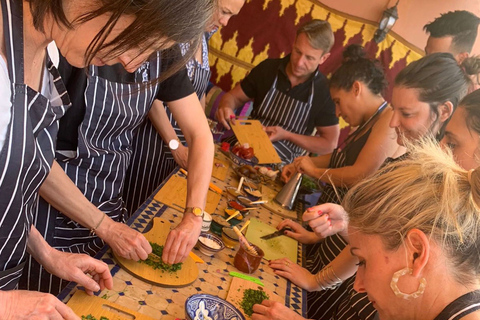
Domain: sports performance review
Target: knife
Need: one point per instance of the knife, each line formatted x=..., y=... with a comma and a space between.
x=278, y=233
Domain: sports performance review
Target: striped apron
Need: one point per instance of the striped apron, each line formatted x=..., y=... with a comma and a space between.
x=113, y=113
x=278, y=109
x=28, y=152
x=152, y=159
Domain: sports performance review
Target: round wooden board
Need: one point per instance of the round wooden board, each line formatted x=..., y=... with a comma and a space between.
x=183, y=277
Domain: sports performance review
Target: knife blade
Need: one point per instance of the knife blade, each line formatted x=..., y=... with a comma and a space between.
x=278, y=233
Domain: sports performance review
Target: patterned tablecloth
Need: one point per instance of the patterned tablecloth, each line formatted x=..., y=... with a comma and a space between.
x=168, y=303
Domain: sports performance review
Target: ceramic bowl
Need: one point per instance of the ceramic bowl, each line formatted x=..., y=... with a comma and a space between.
x=240, y=161
x=209, y=244
x=218, y=222
x=253, y=195
x=205, y=306
x=235, y=220
x=229, y=237
x=244, y=201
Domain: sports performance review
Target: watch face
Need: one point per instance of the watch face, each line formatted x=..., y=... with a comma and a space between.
x=173, y=144
x=197, y=211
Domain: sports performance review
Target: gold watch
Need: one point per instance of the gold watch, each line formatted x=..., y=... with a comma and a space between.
x=195, y=210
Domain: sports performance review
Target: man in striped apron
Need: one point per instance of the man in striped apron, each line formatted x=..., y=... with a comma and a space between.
x=290, y=96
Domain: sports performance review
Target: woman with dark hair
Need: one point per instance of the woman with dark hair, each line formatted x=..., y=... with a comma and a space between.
x=159, y=145
x=424, y=96
x=33, y=99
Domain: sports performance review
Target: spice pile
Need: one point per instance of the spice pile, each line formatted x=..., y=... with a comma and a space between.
x=158, y=263
x=250, y=298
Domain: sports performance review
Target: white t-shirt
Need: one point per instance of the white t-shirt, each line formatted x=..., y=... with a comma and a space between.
x=6, y=93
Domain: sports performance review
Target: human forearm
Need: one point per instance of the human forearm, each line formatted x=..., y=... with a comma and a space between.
x=315, y=144
x=341, y=177
x=63, y=194
x=341, y=268
x=159, y=118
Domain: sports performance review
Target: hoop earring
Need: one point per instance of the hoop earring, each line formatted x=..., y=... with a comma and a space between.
x=407, y=296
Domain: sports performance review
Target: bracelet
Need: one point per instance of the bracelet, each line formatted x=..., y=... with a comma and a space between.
x=319, y=180
x=324, y=279
x=94, y=229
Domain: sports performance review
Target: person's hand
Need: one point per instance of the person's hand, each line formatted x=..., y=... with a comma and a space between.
x=288, y=172
x=276, y=133
x=21, y=304
x=293, y=272
x=305, y=165
x=181, y=240
x=225, y=114
x=298, y=232
x=124, y=241
x=181, y=156
x=274, y=310
x=327, y=219
x=91, y=273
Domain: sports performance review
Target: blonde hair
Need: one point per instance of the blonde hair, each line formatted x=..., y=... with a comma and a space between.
x=426, y=191
x=319, y=34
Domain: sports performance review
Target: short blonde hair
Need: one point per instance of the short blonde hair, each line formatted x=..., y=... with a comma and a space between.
x=426, y=191
x=319, y=34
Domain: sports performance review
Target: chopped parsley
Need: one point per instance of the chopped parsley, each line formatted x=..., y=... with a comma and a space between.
x=250, y=298
x=158, y=263
x=90, y=317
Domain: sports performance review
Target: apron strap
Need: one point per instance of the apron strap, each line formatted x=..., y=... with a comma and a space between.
x=12, y=12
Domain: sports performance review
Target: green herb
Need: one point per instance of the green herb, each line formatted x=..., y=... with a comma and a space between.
x=159, y=264
x=90, y=317
x=250, y=298
x=308, y=183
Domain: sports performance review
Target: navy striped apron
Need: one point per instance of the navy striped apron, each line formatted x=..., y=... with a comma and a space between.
x=152, y=159
x=278, y=109
x=113, y=113
x=28, y=152
x=461, y=307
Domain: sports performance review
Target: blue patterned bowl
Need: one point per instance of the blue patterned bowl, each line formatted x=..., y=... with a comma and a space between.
x=208, y=307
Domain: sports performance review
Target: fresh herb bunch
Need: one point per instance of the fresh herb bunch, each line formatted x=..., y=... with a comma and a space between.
x=90, y=317
x=159, y=264
x=251, y=297
x=308, y=183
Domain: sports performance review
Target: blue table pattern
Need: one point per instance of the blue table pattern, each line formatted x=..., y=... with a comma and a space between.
x=168, y=303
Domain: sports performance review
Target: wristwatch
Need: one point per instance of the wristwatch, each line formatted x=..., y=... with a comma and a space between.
x=173, y=144
x=195, y=210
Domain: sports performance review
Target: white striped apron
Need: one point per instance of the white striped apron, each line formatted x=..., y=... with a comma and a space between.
x=28, y=152
x=113, y=113
x=152, y=159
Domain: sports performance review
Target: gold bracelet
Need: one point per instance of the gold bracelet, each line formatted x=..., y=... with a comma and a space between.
x=94, y=229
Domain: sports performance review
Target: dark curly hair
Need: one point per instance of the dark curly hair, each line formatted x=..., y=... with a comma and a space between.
x=356, y=67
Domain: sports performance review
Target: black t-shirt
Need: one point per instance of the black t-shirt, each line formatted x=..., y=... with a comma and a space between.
x=176, y=87
x=259, y=81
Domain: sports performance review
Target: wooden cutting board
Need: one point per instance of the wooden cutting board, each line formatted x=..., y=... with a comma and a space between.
x=220, y=169
x=251, y=132
x=174, y=195
x=270, y=194
x=183, y=277
x=274, y=248
x=83, y=305
x=238, y=286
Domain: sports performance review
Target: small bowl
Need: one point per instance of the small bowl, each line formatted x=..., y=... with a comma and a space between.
x=207, y=221
x=229, y=237
x=233, y=191
x=209, y=244
x=236, y=220
x=244, y=201
x=205, y=306
x=240, y=161
x=218, y=222
x=253, y=195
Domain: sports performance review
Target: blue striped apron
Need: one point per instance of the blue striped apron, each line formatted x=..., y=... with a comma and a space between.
x=113, y=113
x=152, y=159
x=28, y=152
